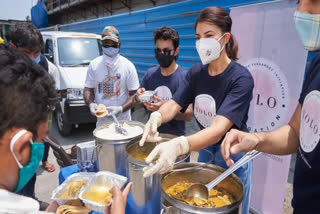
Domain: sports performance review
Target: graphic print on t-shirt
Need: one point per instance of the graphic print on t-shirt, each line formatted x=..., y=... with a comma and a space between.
x=110, y=86
x=310, y=122
x=164, y=93
x=205, y=109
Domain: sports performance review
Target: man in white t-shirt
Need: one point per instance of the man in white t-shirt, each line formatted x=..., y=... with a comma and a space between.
x=111, y=80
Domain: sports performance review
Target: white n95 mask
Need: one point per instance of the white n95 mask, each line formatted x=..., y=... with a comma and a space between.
x=209, y=49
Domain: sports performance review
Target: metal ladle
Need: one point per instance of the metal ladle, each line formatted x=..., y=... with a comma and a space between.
x=119, y=128
x=202, y=191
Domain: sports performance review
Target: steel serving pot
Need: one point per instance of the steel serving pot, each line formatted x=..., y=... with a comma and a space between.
x=112, y=153
x=204, y=175
x=144, y=197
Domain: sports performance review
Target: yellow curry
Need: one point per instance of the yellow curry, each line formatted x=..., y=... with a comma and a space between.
x=141, y=153
x=218, y=197
x=73, y=188
x=98, y=193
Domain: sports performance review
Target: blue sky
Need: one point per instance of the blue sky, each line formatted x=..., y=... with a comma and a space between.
x=15, y=9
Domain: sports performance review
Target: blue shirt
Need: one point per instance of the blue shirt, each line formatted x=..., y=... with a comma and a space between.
x=306, y=185
x=166, y=87
x=228, y=94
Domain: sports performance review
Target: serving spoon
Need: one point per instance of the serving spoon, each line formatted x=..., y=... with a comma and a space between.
x=119, y=128
x=199, y=190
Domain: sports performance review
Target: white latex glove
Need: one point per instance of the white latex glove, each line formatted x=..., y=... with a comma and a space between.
x=168, y=153
x=93, y=108
x=194, y=156
x=115, y=110
x=153, y=138
x=150, y=129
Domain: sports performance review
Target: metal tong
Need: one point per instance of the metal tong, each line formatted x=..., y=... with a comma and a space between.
x=119, y=128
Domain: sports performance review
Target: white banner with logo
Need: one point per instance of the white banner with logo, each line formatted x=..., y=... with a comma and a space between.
x=271, y=49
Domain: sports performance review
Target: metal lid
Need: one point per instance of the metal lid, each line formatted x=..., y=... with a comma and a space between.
x=117, y=141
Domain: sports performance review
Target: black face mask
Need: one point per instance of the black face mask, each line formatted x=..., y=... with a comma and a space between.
x=164, y=59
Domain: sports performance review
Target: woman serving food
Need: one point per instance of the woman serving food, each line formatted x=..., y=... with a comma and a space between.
x=220, y=90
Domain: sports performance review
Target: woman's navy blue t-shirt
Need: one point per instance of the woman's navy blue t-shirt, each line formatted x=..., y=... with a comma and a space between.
x=227, y=94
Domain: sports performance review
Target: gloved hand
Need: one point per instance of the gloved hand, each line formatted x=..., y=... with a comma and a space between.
x=115, y=110
x=150, y=129
x=168, y=153
x=93, y=108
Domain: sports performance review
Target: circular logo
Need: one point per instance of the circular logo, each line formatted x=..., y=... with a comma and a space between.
x=205, y=109
x=270, y=101
x=310, y=122
x=164, y=93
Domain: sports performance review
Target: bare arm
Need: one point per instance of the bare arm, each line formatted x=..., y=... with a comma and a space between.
x=187, y=115
x=284, y=140
x=211, y=135
x=129, y=102
x=169, y=110
x=88, y=95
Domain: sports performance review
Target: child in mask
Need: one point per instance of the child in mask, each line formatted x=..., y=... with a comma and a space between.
x=220, y=90
x=28, y=96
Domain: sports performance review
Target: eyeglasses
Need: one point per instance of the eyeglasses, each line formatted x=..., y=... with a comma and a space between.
x=165, y=51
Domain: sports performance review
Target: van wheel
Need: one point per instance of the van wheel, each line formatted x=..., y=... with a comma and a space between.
x=64, y=127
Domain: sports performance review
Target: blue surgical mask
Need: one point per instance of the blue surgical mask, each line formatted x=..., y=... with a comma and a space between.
x=308, y=28
x=37, y=59
x=26, y=172
x=111, y=51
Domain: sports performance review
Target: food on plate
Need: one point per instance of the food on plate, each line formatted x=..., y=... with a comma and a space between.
x=98, y=193
x=102, y=111
x=218, y=197
x=76, y=202
x=73, y=188
x=70, y=209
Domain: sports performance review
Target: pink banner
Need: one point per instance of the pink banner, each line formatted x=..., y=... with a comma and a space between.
x=271, y=50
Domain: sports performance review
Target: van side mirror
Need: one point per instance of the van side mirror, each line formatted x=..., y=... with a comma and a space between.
x=49, y=57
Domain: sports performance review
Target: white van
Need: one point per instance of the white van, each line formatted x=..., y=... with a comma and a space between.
x=71, y=52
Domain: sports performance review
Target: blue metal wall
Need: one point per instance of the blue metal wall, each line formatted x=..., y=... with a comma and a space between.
x=136, y=29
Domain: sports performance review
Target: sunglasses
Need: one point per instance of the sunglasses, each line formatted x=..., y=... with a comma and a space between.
x=165, y=51
x=109, y=44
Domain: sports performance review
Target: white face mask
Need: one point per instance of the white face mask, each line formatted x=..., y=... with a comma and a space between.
x=111, y=51
x=209, y=49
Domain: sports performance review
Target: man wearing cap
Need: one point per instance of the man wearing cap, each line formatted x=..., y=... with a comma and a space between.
x=111, y=80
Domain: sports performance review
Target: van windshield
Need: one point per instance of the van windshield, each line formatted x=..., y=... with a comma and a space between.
x=78, y=51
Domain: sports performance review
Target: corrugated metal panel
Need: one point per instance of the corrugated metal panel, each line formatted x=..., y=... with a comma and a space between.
x=136, y=29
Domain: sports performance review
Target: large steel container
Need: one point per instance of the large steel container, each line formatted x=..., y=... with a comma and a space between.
x=144, y=197
x=112, y=154
x=203, y=174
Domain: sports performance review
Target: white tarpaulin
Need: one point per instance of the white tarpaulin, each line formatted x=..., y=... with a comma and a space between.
x=270, y=48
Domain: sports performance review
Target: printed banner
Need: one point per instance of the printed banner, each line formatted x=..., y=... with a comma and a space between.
x=271, y=49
